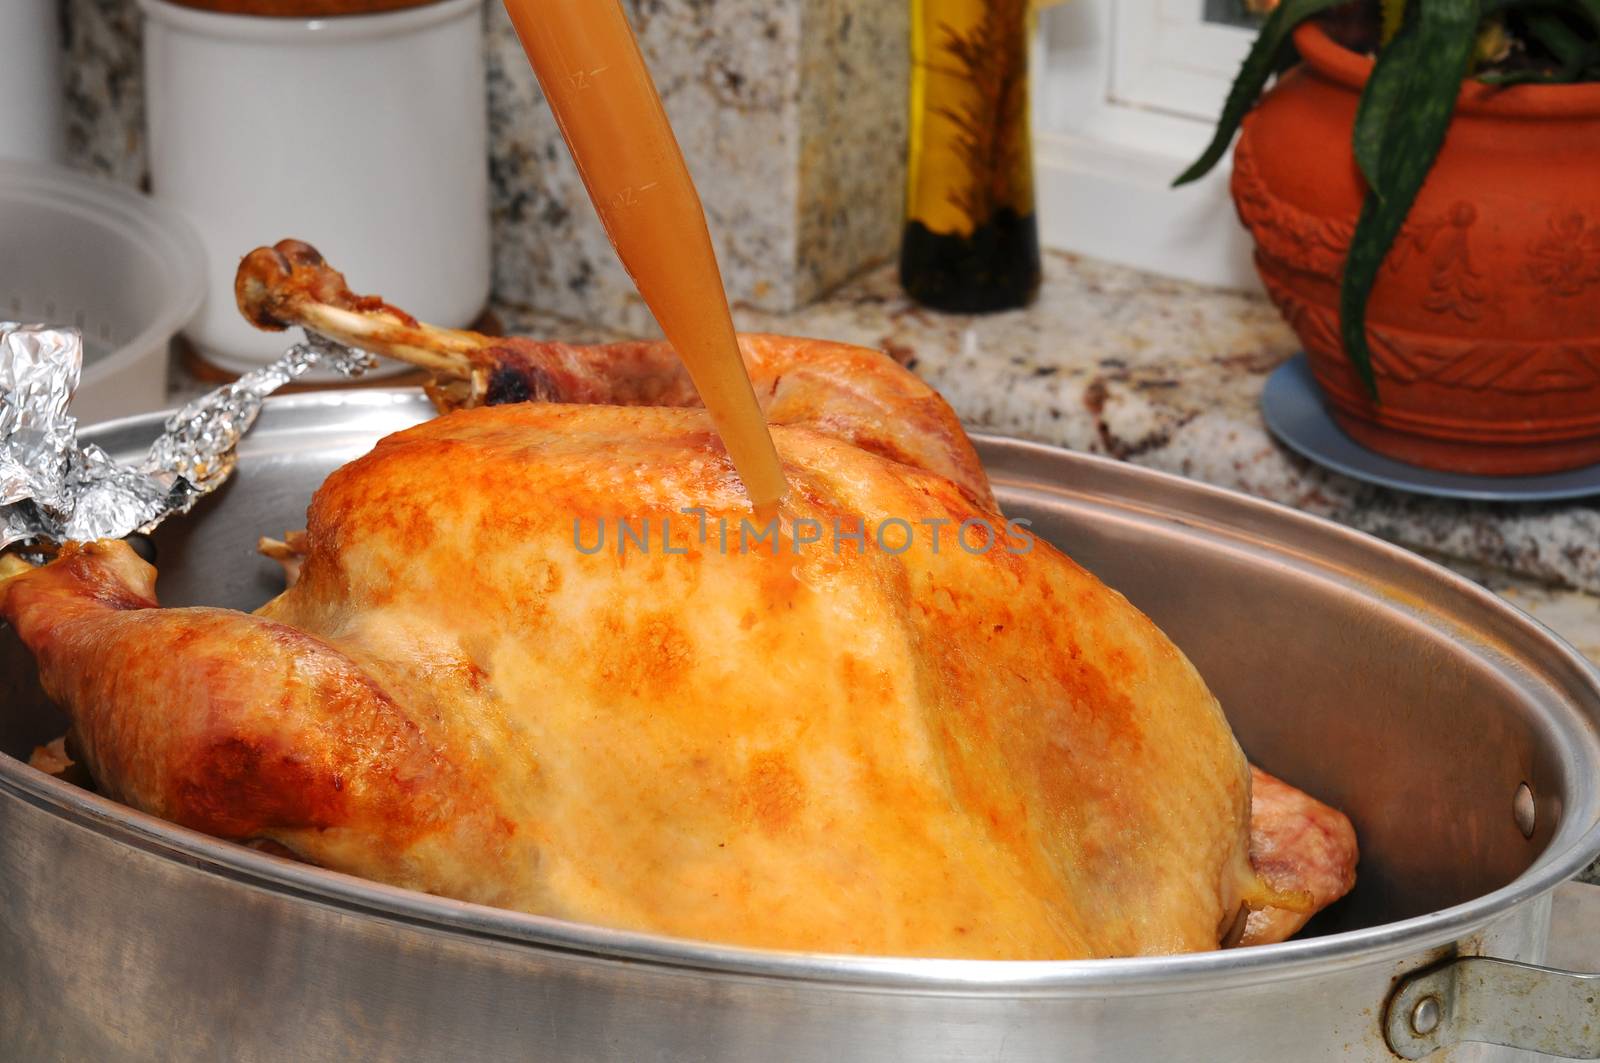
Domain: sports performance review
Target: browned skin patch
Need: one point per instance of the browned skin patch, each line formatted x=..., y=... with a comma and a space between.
x=645, y=655
x=773, y=792
x=238, y=785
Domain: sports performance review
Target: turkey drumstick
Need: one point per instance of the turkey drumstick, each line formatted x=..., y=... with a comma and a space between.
x=852, y=393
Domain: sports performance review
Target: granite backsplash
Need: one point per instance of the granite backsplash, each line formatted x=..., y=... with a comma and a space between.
x=104, y=84
x=791, y=114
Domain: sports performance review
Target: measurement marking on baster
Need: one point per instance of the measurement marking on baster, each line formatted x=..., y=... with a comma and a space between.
x=628, y=198
x=582, y=79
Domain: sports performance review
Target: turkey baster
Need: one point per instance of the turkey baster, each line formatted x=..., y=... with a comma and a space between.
x=589, y=66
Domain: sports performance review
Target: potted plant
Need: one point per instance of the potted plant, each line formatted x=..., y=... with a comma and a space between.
x=1428, y=221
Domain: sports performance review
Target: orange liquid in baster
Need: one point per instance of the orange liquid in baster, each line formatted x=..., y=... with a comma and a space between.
x=589, y=66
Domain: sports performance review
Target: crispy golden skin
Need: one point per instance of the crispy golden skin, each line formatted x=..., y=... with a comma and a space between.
x=917, y=753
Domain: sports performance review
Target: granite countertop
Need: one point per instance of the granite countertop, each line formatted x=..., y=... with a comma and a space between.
x=1168, y=374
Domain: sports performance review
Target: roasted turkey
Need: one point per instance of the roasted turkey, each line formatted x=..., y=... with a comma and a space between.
x=857, y=742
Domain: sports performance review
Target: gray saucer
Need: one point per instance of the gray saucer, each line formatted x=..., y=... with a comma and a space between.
x=1294, y=412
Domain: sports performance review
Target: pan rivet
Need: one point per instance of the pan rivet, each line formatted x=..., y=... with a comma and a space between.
x=1425, y=1016
x=1522, y=810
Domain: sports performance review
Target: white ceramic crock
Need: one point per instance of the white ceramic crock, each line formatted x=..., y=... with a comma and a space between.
x=365, y=135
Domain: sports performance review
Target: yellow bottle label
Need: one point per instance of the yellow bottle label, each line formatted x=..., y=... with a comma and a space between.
x=970, y=152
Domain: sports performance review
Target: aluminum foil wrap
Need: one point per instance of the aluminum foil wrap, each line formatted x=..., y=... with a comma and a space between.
x=52, y=489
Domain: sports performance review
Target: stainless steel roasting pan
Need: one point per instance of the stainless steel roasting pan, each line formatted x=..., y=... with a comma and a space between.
x=1410, y=698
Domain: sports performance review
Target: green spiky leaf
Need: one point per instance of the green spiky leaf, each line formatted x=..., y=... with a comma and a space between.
x=1258, y=67
x=1379, y=99
x=1446, y=35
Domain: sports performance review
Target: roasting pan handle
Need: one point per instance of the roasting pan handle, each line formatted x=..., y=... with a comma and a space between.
x=1498, y=1002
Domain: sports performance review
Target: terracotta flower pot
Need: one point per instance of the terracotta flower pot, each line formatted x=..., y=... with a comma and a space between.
x=1485, y=320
